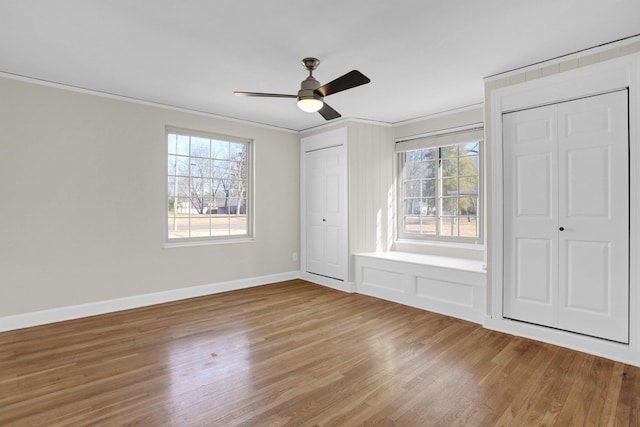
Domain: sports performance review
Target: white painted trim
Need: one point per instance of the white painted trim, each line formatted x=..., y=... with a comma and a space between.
x=439, y=114
x=590, y=80
x=454, y=286
x=132, y=100
x=607, y=349
x=471, y=126
x=560, y=59
x=42, y=317
x=329, y=282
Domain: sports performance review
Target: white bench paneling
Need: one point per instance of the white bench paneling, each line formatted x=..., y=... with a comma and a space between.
x=452, y=286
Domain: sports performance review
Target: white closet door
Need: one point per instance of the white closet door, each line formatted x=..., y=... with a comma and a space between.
x=566, y=216
x=594, y=215
x=326, y=214
x=530, y=229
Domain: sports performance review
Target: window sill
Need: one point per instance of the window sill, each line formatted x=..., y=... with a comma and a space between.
x=472, y=251
x=190, y=243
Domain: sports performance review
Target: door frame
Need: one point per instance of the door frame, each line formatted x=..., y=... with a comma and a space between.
x=328, y=139
x=599, y=78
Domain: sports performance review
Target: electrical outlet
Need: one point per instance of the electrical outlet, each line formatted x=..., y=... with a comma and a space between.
x=294, y=256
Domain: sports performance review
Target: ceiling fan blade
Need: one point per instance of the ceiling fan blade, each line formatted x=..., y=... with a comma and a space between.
x=264, y=95
x=351, y=79
x=328, y=113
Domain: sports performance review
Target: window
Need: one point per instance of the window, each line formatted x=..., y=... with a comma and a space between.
x=439, y=187
x=208, y=186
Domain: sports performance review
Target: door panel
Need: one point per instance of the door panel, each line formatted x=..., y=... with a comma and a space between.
x=533, y=274
x=533, y=185
x=588, y=175
x=530, y=194
x=594, y=212
x=588, y=277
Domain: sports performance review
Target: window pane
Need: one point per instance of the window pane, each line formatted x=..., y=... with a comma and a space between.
x=207, y=187
x=238, y=225
x=428, y=154
x=449, y=205
x=468, y=226
x=467, y=205
x=200, y=167
x=412, y=156
x=412, y=188
x=238, y=151
x=412, y=224
x=449, y=186
x=171, y=165
x=430, y=169
x=428, y=225
x=429, y=188
x=449, y=226
x=220, y=168
x=181, y=165
x=428, y=207
x=171, y=187
x=449, y=151
x=200, y=147
x=182, y=145
x=469, y=149
x=171, y=143
x=468, y=166
x=450, y=167
x=413, y=170
x=219, y=149
x=220, y=225
x=200, y=226
x=468, y=185
x=182, y=186
x=412, y=207
x=178, y=226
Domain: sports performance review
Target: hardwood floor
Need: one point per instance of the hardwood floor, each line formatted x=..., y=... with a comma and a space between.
x=295, y=353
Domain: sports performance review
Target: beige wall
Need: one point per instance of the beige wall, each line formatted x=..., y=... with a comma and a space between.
x=82, y=217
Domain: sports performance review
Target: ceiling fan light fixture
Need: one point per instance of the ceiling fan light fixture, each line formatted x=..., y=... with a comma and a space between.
x=310, y=105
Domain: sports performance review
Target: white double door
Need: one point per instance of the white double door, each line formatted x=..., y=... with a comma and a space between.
x=566, y=216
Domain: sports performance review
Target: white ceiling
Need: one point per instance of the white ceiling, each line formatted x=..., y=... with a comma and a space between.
x=422, y=56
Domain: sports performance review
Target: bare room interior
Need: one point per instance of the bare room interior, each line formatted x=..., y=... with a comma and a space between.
x=243, y=213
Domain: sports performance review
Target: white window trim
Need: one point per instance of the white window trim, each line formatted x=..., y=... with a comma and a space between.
x=449, y=136
x=212, y=240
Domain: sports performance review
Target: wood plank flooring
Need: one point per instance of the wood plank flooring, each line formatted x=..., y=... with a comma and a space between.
x=299, y=354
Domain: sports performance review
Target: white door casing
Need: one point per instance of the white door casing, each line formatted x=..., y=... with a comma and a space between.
x=566, y=216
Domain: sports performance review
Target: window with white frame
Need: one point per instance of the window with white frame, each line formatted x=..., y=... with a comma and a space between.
x=208, y=186
x=439, y=182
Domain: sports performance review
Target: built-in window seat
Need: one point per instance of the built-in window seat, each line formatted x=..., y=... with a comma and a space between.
x=442, y=284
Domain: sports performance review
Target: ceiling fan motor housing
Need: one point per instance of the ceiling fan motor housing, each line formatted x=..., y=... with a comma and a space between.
x=307, y=89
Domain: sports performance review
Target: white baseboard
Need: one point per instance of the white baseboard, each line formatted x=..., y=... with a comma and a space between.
x=42, y=317
x=328, y=282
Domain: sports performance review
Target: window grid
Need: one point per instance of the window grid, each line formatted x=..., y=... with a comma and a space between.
x=207, y=187
x=439, y=189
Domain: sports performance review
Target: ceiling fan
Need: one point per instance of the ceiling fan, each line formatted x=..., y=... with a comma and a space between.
x=311, y=94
